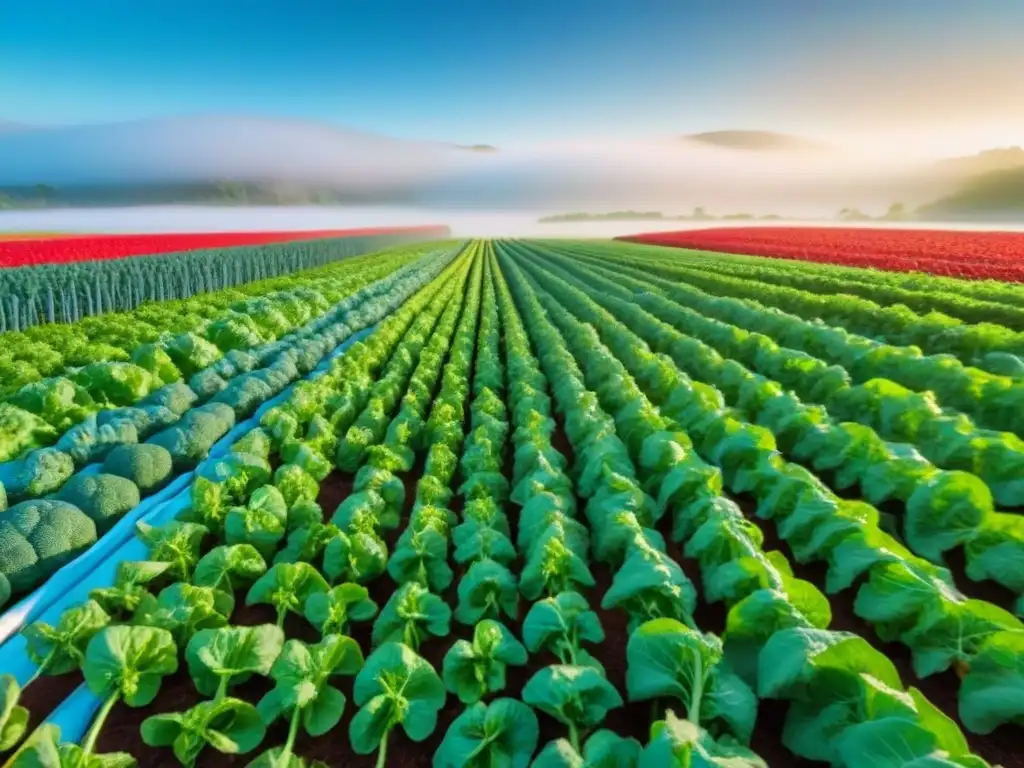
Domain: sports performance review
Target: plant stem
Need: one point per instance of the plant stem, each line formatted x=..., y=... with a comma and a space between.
x=693, y=711
x=574, y=737
x=293, y=731
x=382, y=751
x=97, y=724
x=281, y=613
x=41, y=669
x=222, y=688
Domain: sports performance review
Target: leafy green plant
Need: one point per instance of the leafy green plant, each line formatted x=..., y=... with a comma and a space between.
x=331, y=612
x=229, y=568
x=576, y=696
x=358, y=556
x=677, y=743
x=504, y=732
x=226, y=656
x=122, y=663
x=130, y=586
x=176, y=543
x=229, y=725
x=604, y=749
x=262, y=522
x=303, y=694
x=184, y=609
x=487, y=590
x=471, y=670
x=560, y=625
x=665, y=658
x=411, y=614
x=395, y=687
x=287, y=587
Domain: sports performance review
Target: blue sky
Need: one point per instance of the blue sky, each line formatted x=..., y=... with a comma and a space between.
x=500, y=71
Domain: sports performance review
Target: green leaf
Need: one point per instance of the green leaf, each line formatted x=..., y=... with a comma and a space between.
x=301, y=675
x=176, y=543
x=355, y=556
x=992, y=693
x=502, y=733
x=605, y=749
x=487, y=590
x=472, y=670
x=129, y=661
x=578, y=696
x=129, y=587
x=561, y=624
x=666, y=658
x=330, y=612
x=287, y=587
x=231, y=653
x=395, y=687
x=230, y=726
x=410, y=615
x=60, y=649
x=184, y=609
x=13, y=717
x=677, y=743
x=229, y=568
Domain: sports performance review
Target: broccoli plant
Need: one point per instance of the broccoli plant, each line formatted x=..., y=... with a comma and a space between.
x=395, y=687
x=303, y=694
x=287, y=587
x=411, y=614
x=471, y=670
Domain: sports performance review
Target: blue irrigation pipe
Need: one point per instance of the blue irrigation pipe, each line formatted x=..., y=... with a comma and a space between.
x=97, y=566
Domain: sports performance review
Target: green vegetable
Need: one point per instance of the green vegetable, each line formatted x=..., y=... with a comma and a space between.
x=148, y=466
x=471, y=670
x=176, y=543
x=504, y=732
x=262, y=522
x=302, y=692
x=288, y=587
x=229, y=568
x=331, y=612
x=560, y=625
x=231, y=726
x=130, y=586
x=296, y=484
x=394, y=687
x=412, y=614
x=487, y=590
x=679, y=743
x=184, y=609
x=579, y=697
x=225, y=656
x=104, y=498
x=37, y=538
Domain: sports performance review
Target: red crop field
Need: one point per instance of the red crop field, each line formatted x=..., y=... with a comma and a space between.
x=47, y=249
x=971, y=255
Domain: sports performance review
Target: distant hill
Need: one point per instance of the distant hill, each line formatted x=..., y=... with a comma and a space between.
x=994, y=196
x=984, y=162
x=756, y=141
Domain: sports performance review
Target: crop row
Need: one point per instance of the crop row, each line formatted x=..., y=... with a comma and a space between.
x=522, y=491
x=970, y=255
x=52, y=293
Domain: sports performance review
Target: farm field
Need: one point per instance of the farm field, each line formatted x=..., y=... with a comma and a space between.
x=512, y=503
x=969, y=255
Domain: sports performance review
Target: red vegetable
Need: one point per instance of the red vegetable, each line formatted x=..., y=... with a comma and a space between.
x=970, y=255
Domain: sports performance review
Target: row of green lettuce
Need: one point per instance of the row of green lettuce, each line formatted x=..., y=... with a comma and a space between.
x=971, y=301
x=776, y=640
x=52, y=493
x=990, y=347
x=942, y=510
x=902, y=596
x=992, y=400
x=67, y=293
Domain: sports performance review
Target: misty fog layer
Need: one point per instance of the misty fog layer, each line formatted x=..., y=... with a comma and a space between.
x=669, y=175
